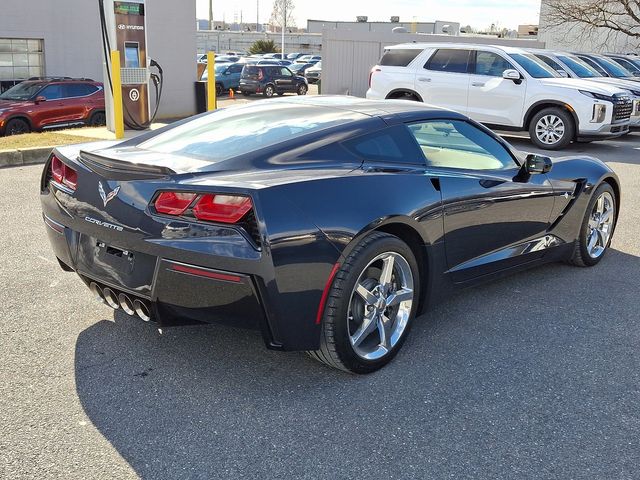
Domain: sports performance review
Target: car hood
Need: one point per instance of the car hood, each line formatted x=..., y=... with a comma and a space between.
x=616, y=82
x=13, y=103
x=580, y=84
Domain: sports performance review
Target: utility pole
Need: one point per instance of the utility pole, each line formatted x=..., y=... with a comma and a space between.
x=211, y=25
x=257, y=15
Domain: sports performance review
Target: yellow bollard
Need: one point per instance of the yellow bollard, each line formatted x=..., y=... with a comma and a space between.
x=116, y=81
x=211, y=81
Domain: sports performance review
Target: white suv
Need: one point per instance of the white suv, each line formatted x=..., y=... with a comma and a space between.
x=503, y=87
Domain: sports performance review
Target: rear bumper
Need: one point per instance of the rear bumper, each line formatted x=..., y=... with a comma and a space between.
x=176, y=292
x=191, y=272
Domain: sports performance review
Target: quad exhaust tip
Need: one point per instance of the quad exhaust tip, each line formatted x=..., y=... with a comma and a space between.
x=142, y=310
x=126, y=304
x=97, y=292
x=111, y=298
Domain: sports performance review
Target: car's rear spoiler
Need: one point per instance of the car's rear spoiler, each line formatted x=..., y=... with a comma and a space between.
x=118, y=169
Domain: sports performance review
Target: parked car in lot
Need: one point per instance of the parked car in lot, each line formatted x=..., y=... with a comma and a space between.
x=608, y=67
x=294, y=56
x=314, y=73
x=270, y=80
x=627, y=62
x=46, y=103
x=328, y=223
x=504, y=87
x=309, y=59
x=299, y=68
x=227, y=76
x=575, y=67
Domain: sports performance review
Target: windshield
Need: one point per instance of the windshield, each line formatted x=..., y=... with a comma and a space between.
x=577, y=66
x=22, y=91
x=231, y=132
x=533, y=66
x=613, y=68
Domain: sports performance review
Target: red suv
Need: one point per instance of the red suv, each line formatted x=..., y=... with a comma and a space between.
x=39, y=104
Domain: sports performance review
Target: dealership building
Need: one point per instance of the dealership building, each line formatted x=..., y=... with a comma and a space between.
x=63, y=38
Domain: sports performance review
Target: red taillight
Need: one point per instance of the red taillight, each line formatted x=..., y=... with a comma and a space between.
x=64, y=174
x=173, y=203
x=222, y=208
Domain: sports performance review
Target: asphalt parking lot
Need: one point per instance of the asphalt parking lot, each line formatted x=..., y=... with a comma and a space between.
x=536, y=376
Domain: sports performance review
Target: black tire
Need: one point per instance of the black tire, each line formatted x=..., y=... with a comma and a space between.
x=98, y=119
x=568, y=131
x=17, y=126
x=580, y=256
x=302, y=89
x=280, y=94
x=219, y=89
x=269, y=91
x=335, y=348
x=246, y=94
x=404, y=96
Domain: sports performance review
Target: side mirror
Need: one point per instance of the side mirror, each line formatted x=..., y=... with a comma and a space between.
x=511, y=74
x=535, y=164
x=40, y=98
x=563, y=73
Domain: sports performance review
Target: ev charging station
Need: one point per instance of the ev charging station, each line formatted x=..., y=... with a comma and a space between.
x=127, y=65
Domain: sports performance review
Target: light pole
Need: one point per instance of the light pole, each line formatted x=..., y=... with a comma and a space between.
x=257, y=15
x=284, y=25
x=211, y=15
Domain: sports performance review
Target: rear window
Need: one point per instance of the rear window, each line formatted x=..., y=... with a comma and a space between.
x=232, y=132
x=449, y=60
x=399, y=57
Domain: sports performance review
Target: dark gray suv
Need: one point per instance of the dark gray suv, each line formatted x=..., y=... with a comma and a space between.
x=270, y=80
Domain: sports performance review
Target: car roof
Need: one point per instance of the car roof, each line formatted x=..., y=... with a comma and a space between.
x=377, y=108
x=469, y=46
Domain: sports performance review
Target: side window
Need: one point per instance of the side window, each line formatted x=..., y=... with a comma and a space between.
x=235, y=68
x=52, y=92
x=491, y=64
x=392, y=144
x=399, y=57
x=551, y=62
x=595, y=65
x=461, y=145
x=77, y=90
x=449, y=60
x=285, y=72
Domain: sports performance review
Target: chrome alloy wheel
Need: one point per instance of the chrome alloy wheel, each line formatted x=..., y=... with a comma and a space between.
x=380, y=306
x=600, y=225
x=550, y=129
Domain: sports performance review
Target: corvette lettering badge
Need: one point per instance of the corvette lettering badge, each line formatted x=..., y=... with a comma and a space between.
x=106, y=198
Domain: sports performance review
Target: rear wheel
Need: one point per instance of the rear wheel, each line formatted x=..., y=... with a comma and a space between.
x=246, y=94
x=404, y=96
x=219, y=89
x=302, y=89
x=597, y=228
x=17, y=126
x=269, y=91
x=98, y=119
x=370, y=306
x=552, y=128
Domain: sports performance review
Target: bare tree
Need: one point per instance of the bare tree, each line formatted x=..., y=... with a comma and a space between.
x=610, y=16
x=282, y=15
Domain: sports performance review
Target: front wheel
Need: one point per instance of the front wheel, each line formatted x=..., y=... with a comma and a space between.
x=597, y=228
x=302, y=89
x=370, y=306
x=552, y=128
x=17, y=126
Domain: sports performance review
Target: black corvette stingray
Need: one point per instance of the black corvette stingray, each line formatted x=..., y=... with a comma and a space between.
x=326, y=222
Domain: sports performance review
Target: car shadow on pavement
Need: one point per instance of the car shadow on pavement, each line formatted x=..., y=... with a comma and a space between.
x=522, y=375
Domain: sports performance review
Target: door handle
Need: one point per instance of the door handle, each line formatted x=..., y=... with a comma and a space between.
x=424, y=79
x=477, y=84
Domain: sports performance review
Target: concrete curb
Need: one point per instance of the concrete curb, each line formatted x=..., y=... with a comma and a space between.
x=24, y=156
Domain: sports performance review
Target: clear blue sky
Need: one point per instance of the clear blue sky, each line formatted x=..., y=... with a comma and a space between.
x=477, y=13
